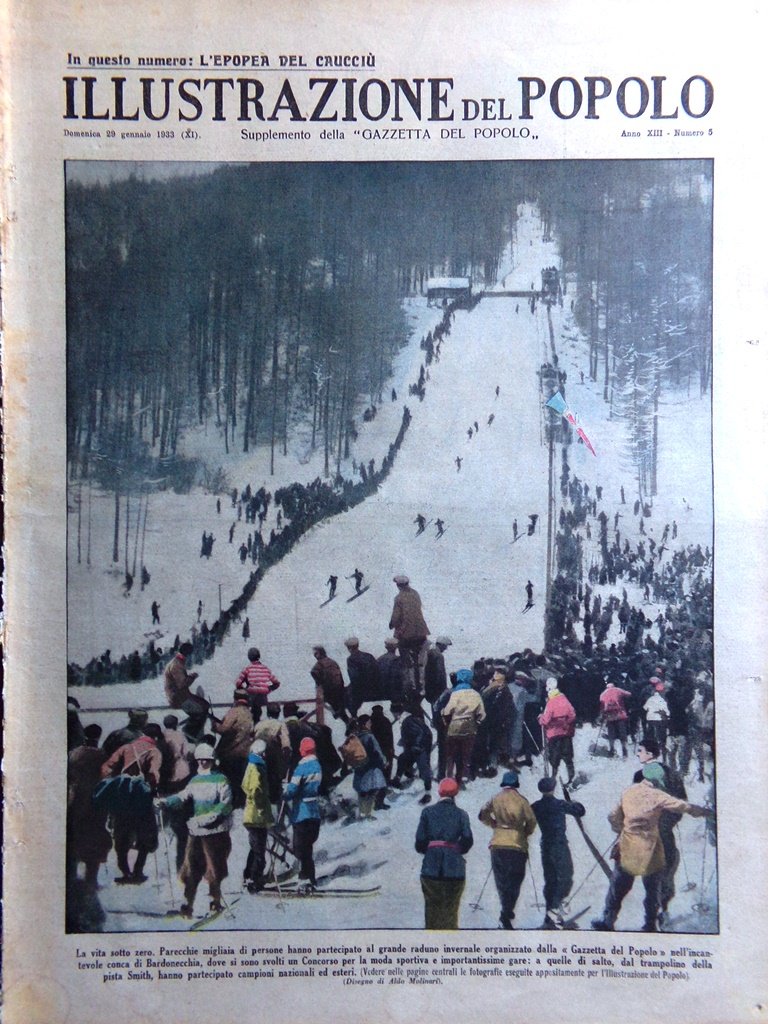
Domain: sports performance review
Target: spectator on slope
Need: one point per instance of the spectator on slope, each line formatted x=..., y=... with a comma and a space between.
x=613, y=707
x=510, y=816
x=327, y=674
x=499, y=709
x=363, y=672
x=443, y=836
x=256, y=679
x=88, y=839
x=208, y=801
x=235, y=733
x=462, y=716
x=381, y=727
x=670, y=782
x=657, y=716
x=177, y=680
x=278, y=748
x=523, y=696
x=180, y=768
x=391, y=673
x=133, y=821
x=257, y=816
x=411, y=631
x=416, y=741
x=556, y=861
x=155, y=613
x=558, y=721
x=137, y=719
x=640, y=849
x=435, y=675
x=302, y=793
x=368, y=780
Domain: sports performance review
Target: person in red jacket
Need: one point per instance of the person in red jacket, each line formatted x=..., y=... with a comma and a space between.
x=558, y=721
x=613, y=705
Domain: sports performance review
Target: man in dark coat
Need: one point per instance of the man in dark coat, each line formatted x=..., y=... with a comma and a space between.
x=87, y=837
x=443, y=836
x=327, y=673
x=137, y=719
x=556, y=859
x=435, y=675
x=416, y=741
x=408, y=624
x=391, y=673
x=363, y=673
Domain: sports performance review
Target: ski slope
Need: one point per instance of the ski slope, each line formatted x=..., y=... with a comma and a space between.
x=471, y=582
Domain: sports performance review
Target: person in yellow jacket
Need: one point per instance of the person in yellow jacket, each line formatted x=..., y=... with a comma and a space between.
x=639, y=851
x=462, y=716
x=257, y=816
x=510, y=816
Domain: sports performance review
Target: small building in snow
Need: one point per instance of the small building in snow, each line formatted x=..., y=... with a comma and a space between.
x=447, y=289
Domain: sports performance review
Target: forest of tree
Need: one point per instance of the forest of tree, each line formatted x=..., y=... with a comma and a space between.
x=637, y=240
x=260, y=295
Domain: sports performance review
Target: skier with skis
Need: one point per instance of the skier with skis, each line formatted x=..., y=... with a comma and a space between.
x=443, y=836
x=257, y=816
x=208, y=799
x=510, y=816
x=640, y=850
x=529, y=596
x=440, y=526
x=357, y=576
x=331, y=583
x=421, y=523
x=303, y=793
x=556, y=861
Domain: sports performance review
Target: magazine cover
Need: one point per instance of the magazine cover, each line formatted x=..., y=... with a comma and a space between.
x=384, y=490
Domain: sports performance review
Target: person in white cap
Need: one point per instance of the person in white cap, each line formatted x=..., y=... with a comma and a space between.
x=208, y=798
x=411, y=631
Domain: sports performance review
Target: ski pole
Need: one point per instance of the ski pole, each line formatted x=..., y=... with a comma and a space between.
x=533, y=882
x=159, y=814
x=689, y=885
x=476, y=904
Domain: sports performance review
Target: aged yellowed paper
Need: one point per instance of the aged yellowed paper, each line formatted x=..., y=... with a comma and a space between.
x=385, y=497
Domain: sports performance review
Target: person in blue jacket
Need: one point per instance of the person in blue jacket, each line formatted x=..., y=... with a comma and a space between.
x=444, y=835
x=302, y=794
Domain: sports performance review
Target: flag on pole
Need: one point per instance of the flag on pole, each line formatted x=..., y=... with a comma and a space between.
x=558, y=403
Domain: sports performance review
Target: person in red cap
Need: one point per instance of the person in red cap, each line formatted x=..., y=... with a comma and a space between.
x=303, y=794
x=443, y=836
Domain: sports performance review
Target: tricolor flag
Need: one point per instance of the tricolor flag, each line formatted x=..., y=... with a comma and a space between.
x=557, y=402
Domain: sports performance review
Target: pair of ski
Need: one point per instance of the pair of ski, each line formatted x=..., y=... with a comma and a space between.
x=294, y=890
x=354, y=597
